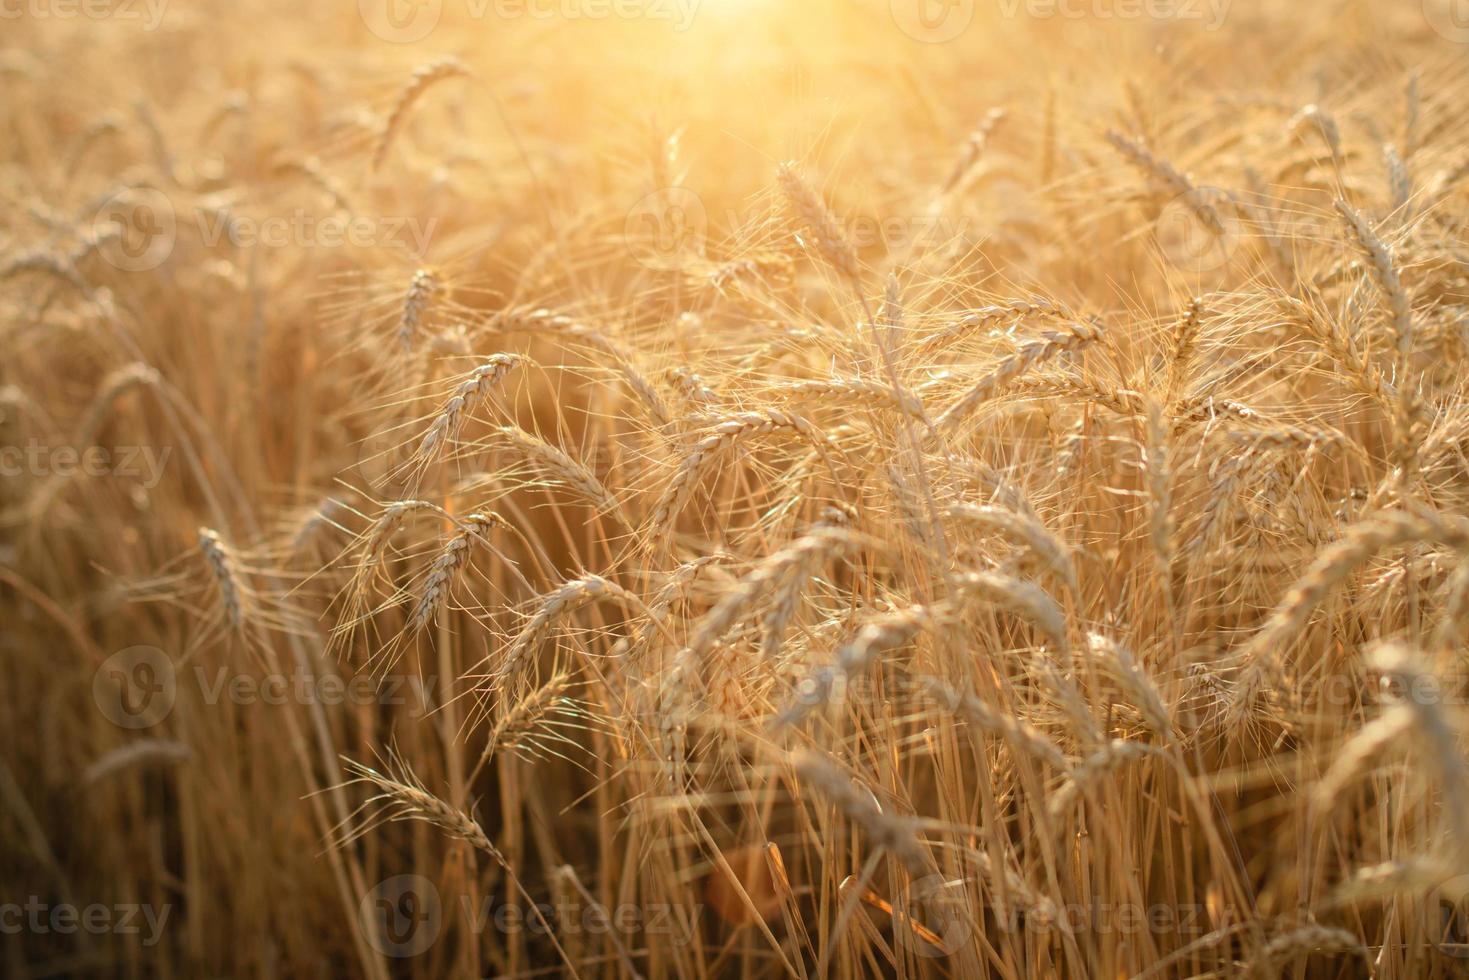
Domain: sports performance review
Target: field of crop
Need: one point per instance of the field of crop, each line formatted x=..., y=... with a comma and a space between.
x=732, y=488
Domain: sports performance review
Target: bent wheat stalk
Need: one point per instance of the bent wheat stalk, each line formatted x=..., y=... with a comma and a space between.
x=1068, y=337
x=423, y=78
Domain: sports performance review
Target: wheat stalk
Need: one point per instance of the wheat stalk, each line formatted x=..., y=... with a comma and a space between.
x=1110, y=757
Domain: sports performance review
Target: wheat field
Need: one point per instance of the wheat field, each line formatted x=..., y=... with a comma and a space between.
x=729, y=488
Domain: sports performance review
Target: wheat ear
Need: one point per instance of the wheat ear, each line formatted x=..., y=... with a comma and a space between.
x=1011, y=311
x=621, y=358
x=1139, y=684
x=1172, y=181
x=422, y=79
x=113, y=386
x=872, y=641
x=1025, y=599
x=814, y=215
x=467, y=396
x=446, y=566
x=1332, y=567
x=1302, y=942
x=1358, y=752
x=423, y=289
x=136, y=752
x=1021, y=735
x=896, y=834
x=1406, y=668
x=531, y=722
x=1407, y=412
x=800, y=556
x=226, y=576
x=558, y=464
x=1313, y=116
x=855, y=392
x=1024, y=529
x=1068, y=337
x=725, y=434
x=562, y=601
